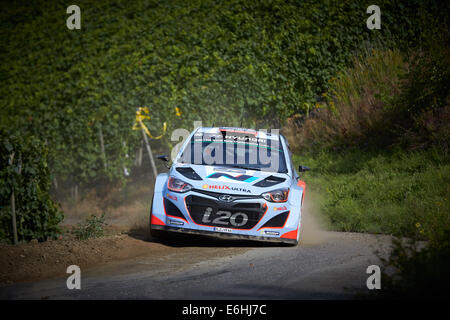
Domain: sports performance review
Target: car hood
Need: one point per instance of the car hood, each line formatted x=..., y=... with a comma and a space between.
x=230, y=180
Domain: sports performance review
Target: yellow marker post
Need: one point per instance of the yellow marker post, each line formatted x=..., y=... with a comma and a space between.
x=141, y=114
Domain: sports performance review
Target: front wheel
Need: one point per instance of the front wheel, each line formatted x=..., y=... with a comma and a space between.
x=299, y=234
x=155, y=233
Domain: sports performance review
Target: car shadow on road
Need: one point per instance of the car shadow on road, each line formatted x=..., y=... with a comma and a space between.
x=177, y=240
x=274, y=292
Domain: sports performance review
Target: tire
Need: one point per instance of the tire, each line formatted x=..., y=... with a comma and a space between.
x=157, y=234
x=154, y=233
x=299, y=235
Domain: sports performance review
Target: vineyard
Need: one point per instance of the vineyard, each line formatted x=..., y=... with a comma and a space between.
x=71, y=96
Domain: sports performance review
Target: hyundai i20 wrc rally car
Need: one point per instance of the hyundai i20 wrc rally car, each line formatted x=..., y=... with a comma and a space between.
x=230, y=182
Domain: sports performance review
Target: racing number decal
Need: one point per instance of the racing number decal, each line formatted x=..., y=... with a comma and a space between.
x=237, y=214
x=225, y=218
x=206, y=215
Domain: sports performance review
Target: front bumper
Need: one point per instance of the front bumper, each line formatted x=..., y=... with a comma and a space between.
x=224, y=235
x=265, y=221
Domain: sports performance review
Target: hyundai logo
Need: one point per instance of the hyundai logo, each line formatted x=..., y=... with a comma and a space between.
x=226, y=197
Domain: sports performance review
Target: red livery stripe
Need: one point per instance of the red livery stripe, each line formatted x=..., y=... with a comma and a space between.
x=290, y=235
x=302, y=184
x=156, y=220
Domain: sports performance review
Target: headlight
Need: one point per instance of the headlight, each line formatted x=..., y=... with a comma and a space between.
x=178, y=185
x=279, y=195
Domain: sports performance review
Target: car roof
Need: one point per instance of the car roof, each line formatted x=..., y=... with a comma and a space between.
x=251, y=132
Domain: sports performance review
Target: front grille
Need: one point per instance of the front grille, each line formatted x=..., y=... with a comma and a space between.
x=233, y=214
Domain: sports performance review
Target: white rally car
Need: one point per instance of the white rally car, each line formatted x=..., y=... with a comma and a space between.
x=230, y=182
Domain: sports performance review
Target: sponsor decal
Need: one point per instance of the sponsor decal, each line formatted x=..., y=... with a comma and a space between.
x=174, y=222
x=171, y=197
x=271, y=233
x=280, y=208
x=226, y=198
x=242, y=177
x=217, y=187
x=219, y=229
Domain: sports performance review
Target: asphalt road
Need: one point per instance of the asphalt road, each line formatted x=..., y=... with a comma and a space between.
x=332, y=266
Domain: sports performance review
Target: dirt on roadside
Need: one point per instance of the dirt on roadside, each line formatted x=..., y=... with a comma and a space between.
x=35, y=261
x=126, y=236
x=114, y=253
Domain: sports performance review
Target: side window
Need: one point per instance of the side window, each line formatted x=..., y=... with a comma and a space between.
x=287, y=145
x=289, y=150
x=296, y=176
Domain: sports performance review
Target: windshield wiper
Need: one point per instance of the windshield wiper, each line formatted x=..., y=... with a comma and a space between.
x=244, y=167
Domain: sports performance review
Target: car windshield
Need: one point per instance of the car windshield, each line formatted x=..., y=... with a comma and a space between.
x=236, y=151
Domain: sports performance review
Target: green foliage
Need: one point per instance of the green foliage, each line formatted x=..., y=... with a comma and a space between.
x=383, y=101
x=427, y=86
x=93, y=227
x=222, y=62
x=28, y=175
x=420, y=114
x=417, y=270
x=382, y=192
x=355, y=106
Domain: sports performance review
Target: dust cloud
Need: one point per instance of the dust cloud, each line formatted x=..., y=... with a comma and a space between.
x=313, y=229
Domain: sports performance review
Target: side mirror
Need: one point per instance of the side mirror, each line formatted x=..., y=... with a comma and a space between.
x=303, y=168
x=163, y=157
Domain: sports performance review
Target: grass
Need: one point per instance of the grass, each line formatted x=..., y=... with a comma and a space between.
x=93, y=227
x=378, y=166
x=400, y=193
x=355, y=106
x=418, y=272
x=378, y=147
